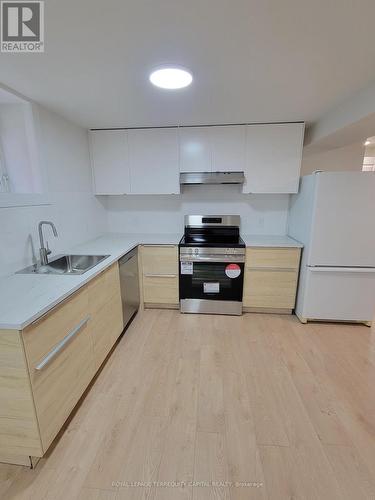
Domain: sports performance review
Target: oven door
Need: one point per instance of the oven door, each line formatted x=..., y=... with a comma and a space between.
x=207, y=280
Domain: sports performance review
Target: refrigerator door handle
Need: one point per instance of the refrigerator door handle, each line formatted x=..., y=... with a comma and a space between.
x=329, y=269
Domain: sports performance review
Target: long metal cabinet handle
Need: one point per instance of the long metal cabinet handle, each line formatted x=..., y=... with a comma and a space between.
x=215, y=258
x=58, y=347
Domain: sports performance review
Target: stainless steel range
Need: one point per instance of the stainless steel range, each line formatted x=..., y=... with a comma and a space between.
x=212, y=258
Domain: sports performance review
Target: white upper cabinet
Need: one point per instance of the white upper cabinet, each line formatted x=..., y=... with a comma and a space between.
x=148, y=161
x=110, y=161
x=273, y=158
x=212, y=149
x=228, y=144
x=153, y=158
x=195, y=149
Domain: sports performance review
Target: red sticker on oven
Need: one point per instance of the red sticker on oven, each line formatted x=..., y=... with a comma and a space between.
x=233, y=270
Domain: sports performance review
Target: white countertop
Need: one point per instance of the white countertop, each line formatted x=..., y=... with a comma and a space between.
x=26, y=297
x=261, y=240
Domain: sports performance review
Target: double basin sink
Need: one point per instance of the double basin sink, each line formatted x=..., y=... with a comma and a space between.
x=66, y=264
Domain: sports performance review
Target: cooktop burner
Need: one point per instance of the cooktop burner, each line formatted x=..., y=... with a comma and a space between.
x=212, y=231
x=212, y=242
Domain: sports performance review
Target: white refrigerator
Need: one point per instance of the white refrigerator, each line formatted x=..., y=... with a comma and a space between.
x=333, y=215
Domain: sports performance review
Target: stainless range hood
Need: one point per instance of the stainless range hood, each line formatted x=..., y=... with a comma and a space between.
x=212, y=178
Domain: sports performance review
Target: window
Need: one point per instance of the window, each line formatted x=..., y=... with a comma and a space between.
x=20, y=174
x=369, y=158
x=18, y=166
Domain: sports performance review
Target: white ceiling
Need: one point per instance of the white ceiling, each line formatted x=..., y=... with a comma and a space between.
x=253, y=60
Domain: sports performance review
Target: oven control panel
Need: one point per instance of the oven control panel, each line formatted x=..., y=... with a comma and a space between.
x=212, y=254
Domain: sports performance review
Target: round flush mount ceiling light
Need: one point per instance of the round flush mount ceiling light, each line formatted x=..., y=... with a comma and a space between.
x=171, y=77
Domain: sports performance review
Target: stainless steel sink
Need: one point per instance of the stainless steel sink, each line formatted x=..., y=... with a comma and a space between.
x=66, y=264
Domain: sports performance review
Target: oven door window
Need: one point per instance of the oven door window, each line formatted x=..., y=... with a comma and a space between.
x=210, y=280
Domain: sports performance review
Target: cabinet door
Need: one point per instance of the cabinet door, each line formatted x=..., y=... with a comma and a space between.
x=273, y=158
x=228, y=148
x=270, y=289
x=195, y=149
x=273, y=258
x=19, y=433
x=160, y=290
x=105, y=307
x=153, y=155
x=59, y=353
x=160, y=260
x=110, y=162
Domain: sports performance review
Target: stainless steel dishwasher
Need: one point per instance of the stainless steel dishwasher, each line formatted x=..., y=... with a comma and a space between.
x=129, y=282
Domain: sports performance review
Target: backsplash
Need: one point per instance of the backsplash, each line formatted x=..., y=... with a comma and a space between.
x=260, y=214
x=78, y=217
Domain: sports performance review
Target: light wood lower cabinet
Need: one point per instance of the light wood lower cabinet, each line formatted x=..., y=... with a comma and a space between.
x=160, y=290
x=160, y=275
x=45, y=369
x=272, y=258
x=19, y=433
x=106, y=322
x=270, y=289
x=271, y=277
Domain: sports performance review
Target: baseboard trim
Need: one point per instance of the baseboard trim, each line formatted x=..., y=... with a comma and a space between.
x=304, y=321
x=151, y=305
x=267, y=310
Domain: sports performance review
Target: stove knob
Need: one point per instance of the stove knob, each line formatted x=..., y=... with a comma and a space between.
x=190, y=251
x=196, y=251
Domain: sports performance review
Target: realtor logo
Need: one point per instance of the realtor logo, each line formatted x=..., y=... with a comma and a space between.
x=22, y=26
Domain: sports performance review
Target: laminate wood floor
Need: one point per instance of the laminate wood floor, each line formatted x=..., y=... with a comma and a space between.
x=212, y=407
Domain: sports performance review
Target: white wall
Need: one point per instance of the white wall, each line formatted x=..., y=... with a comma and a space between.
x=78, y=215
x=260, y=214
x=351, y=120
x=346, y=158
x=64, y=153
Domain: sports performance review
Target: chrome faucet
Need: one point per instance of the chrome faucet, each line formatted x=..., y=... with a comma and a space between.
x=44, y=251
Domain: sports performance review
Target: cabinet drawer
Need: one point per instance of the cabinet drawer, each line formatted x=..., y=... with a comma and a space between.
x=106, y=326
x=102, y=288
x=40, y=337
x=270, y=289
x=160, y=290
x=59, y=373
x=19, y=433
x=160, y=260
x=282, y=258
